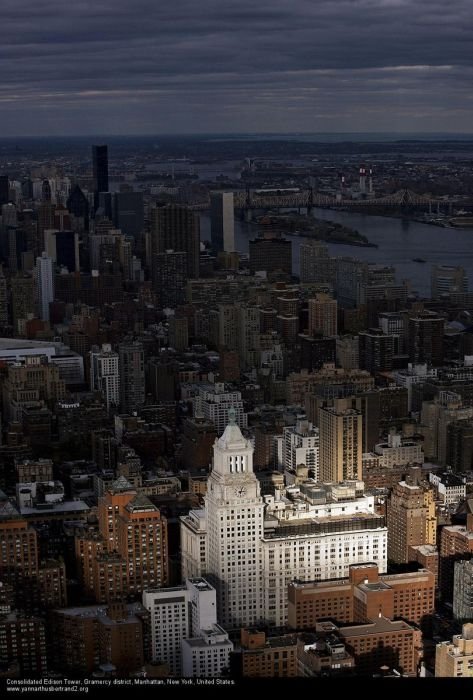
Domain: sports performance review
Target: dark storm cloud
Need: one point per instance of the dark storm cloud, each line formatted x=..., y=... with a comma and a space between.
x=117, y=65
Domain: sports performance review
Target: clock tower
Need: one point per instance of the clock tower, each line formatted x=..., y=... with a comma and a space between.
x=235, y=510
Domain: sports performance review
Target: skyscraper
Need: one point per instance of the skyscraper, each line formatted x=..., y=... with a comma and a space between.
x=411, y=517
x=4, y=190
x=104, y=374
x=170, y=277
x=341, y=437
x=44, y=285
x=323, y=315
x=235, y=527
x=128, y=213
x=177, y=228
x=222, y=228
x=100, y=171
x=132, y=376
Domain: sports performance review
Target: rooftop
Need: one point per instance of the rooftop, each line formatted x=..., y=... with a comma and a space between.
x=380, y=625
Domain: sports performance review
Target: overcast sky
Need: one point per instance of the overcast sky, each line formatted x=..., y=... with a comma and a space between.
x=191, y=66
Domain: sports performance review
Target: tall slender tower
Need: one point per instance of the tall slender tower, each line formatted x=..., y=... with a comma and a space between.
x=100, y=171
x=234, y=530
x=222, y=228
x=44, y=285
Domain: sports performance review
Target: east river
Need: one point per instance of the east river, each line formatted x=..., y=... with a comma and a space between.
x=398, y=241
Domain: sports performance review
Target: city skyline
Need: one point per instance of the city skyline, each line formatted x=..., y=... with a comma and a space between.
x=359, y=66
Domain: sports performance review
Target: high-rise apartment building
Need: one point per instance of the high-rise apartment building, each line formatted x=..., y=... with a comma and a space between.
x=175, y=227
x=425, y=339
x=323, y=315
x=215, y=402
x=301, y=446
x=348, y=353
x=376, y=350
x=222, y=227
x=132, y=376
x=105, y=375
x=44, y=285
x=463, y=590
x=89, y=637
x=270, y=253
x=456, y=543
x=315, y=264
x=170, y=277
x=341, y=437
x=411, y=517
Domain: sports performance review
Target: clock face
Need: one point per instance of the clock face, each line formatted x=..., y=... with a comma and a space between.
x=240, y=491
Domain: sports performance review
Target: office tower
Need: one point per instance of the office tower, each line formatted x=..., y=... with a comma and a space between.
x=104, y=374
x=44, y=285
x=347, y=352
x=132, y=376
x=93, y=637
x=46, y=192
x=178, y=333
x=128, y=213
x=425, y=339
x=270, y=253
x=301, y=446
x=290, y=546
x=463, y=590
x=376, y=350
x=63, y=248
x=215, y=403
x=170, y=278
x=175, y=227
x=455, y=659
x=78, y=206
x=315, y=264
x=222, y=229
x=4, y=190
x=235, y=511
x=411, y=517
x=323, y=315
x=22, y=298
x=447, y=279
x=341, y=439
x=100, y=171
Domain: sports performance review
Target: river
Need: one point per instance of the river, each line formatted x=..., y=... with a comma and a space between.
x=398, y=241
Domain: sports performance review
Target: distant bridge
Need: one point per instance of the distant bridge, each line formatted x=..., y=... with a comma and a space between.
x=247, y=200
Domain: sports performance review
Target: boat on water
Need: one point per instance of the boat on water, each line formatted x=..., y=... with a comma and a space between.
x=419, y=260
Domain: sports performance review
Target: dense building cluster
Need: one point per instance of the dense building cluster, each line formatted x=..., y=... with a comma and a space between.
x=212, y=466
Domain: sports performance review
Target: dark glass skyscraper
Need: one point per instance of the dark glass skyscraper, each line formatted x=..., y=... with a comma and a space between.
x=100, y=171
x=4, y=190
